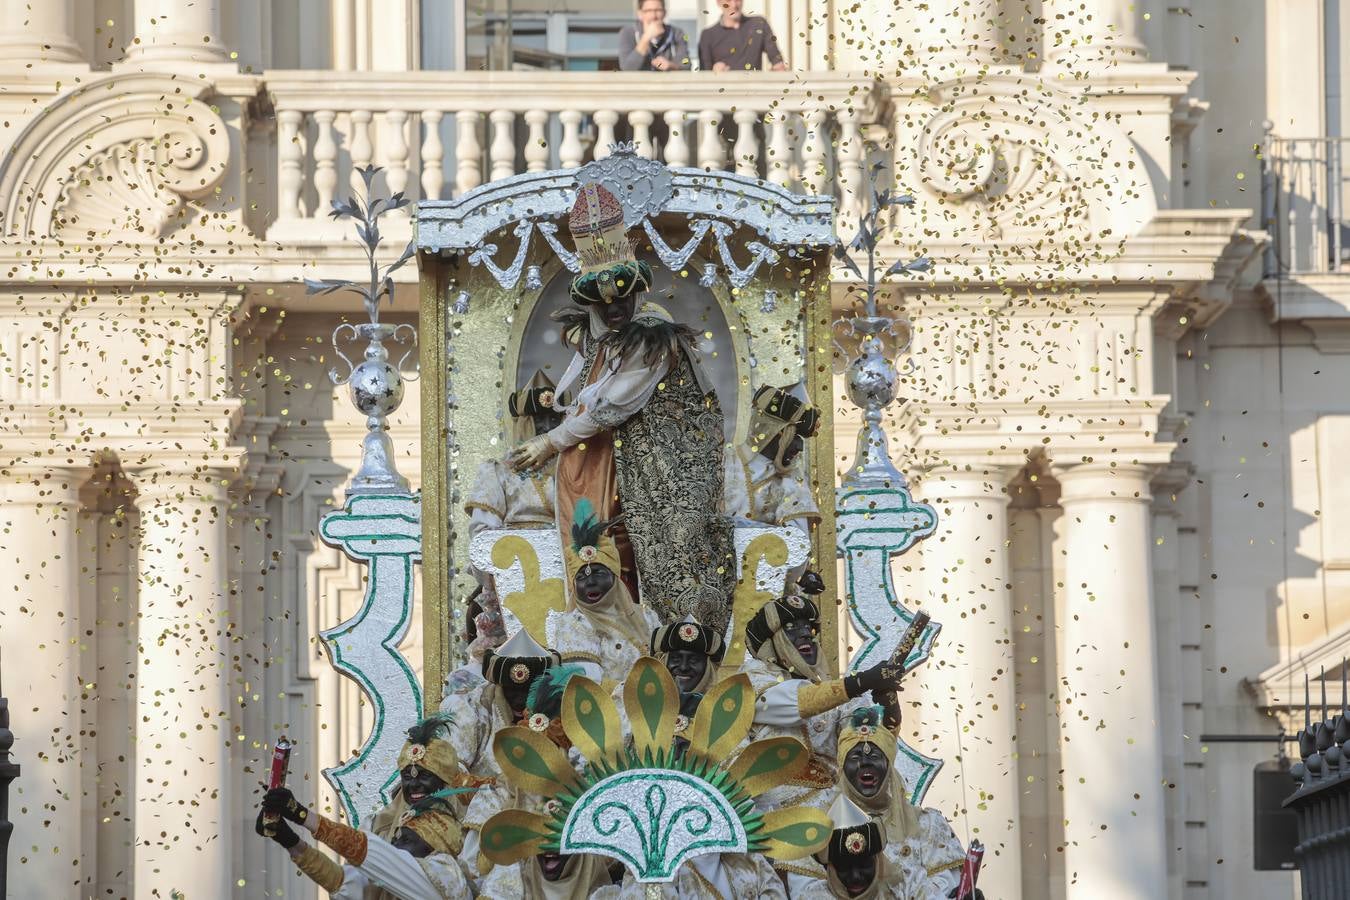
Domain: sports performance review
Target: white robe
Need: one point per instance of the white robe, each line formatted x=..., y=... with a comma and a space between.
x=478, y=716
x=601, y=653
x=931, y=859
x=752, y=488
x=777, y=713
x=712, y=876
x=434, y=877
x=501, y=498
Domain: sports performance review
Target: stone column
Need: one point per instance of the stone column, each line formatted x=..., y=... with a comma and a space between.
x=183, y=827
x=1115, y=825
x=43, y=667
x=38, y=31
x=1092, y=32
x=177, y=32
x=959, y=32
x=969, y=677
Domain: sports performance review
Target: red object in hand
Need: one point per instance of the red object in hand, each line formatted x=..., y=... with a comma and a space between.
x=281, y=763
x=970, y=870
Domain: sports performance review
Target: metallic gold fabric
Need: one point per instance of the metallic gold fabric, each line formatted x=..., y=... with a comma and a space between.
x=814, y=699
x=349, y=843
x=318, y=868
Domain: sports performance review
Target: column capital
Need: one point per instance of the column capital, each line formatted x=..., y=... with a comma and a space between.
x=982, y=479
x=1104, y=482
x=157, y=484
x=34, y=484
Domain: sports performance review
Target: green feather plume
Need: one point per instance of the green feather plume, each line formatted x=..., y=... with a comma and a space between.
x=867, y=715
x=546, y=692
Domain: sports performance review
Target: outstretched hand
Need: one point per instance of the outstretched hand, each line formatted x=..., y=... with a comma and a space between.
x=281, y=802
x=883, y=678
x=278, y=831
x=532, y=454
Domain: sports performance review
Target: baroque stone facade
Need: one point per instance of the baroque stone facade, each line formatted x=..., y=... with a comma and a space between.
x=1129, y=433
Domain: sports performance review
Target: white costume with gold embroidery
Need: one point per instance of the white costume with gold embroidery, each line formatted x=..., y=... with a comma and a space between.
x=602, y=653
x=501, y=498
x=479, y=712
x=726, y=876
x=777, y=713
x=387, y=869
x=931, y=859
x=753, y=488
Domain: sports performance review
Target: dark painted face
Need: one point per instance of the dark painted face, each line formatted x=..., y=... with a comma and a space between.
x=687, y=668
x=618, y=313
x=418, y=783
x=411, y=841
x=546, y=421
x=551, y=865
x=865, y=768
x=516, y=694
x=592, y=582
x=802, y=635
x=856, y=874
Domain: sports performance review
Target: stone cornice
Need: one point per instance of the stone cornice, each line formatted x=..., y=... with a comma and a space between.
x=1281, y=686
x=1066, y=431
x=1318, y=302
x=1187, y=247
x=198, y=433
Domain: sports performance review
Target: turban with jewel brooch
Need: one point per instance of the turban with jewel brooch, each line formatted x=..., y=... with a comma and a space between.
x=518, y=660
x=765, y=638
x=688, y=634
x=856, y=836
x=591, y=542
x=864, y=725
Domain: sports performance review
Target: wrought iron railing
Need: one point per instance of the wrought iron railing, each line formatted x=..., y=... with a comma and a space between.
x=1304, y=195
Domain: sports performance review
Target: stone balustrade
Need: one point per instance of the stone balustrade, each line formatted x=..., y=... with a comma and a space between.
x=441, y=134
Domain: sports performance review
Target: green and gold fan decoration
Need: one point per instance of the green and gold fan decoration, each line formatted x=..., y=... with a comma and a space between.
x=643, y=803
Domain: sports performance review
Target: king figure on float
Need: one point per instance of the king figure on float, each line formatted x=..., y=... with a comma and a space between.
x=643, y=439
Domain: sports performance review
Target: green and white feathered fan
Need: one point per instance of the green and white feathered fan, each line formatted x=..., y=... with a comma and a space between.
x=641, y=805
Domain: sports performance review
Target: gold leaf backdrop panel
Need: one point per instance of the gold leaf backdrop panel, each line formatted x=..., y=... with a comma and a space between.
x=472, y=398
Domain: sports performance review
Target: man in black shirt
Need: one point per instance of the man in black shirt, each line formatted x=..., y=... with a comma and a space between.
x=738, y=42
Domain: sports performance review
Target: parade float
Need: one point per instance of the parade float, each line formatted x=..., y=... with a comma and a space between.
x=639, y=566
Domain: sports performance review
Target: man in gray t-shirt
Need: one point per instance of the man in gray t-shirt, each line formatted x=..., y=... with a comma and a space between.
x=738, y=42
x=651, y=44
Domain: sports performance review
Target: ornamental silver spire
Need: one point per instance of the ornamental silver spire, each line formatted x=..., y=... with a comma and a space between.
x=871, y=376
x=376, y=385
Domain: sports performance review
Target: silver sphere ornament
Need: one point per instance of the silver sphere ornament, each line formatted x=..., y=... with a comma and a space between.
x=377, y=387
x=872, y=381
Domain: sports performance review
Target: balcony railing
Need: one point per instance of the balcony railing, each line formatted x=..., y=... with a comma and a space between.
x=1303, y=194
x=441, y=134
